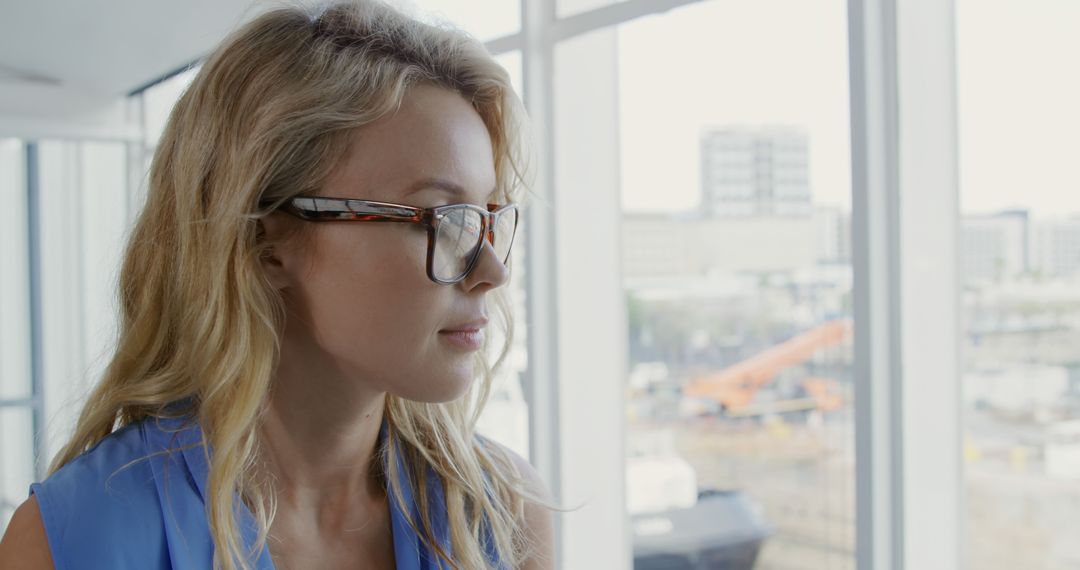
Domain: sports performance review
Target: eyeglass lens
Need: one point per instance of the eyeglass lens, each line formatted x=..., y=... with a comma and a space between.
x=459, y=236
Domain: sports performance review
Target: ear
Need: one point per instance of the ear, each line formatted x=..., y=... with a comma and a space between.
x=277, y=260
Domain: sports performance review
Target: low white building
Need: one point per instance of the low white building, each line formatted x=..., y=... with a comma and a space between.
x=1016, y=389
x=1062, y=450
x=656, y=245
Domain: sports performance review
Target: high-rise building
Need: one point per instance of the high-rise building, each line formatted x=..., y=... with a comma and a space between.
x=1056, y=247
x=995, y=247
x=755, y=172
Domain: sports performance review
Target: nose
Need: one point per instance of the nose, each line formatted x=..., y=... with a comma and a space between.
x=489, y=271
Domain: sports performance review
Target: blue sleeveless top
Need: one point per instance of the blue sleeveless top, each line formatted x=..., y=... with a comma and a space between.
x=112, y=507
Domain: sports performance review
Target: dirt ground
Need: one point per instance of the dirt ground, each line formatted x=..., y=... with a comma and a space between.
x=803, y=479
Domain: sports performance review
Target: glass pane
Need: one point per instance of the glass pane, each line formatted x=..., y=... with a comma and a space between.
x=505, y=419
x=511, y=61
x=14, y=273
x=736, y=262
x=83, y=188
x=1020, y=256
x=487, y=21
x=16, y=460
x=104, y=227
x=158, y=103
x=565, y=8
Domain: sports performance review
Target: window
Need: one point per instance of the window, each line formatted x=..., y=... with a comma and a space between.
x=496, y=19
x=697, y=212
x=1021, y=301
x=158, y=101
x=506, y=416
x=16, y=390
x=72, y=233
x=739, y=395
x=569, y=8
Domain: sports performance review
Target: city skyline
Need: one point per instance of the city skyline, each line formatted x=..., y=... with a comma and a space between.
x=1016, y=140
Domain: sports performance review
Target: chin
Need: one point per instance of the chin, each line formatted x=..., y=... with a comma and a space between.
x=448, y=390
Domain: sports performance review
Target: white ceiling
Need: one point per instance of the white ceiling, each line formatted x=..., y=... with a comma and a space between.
x=65, y=59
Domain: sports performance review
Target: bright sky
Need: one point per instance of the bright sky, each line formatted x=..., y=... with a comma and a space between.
x=737, y=62
x=753, y=62
x=1019, y=105
x=731, y=62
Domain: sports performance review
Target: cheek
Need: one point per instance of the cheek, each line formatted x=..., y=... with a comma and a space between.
x=373, y=311
x=369, y=294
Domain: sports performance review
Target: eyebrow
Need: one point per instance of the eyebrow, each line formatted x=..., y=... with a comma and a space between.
x=455, y=190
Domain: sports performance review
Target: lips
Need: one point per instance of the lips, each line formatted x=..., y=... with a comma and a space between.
x=471, y=326
x=467, y=336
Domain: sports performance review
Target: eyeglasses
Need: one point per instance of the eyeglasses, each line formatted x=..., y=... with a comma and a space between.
x=455, y=231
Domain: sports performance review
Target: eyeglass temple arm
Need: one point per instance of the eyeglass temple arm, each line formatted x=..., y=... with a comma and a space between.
x=331, y=209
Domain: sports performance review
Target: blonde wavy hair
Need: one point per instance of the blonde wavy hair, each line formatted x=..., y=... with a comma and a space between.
x=267, y=118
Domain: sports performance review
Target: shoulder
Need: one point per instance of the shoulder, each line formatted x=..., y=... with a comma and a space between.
x=24, y=546
x=102, y=499
x=538, y=518
x=111, y=475
x=524, y=469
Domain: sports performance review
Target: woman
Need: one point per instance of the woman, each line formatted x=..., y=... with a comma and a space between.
x=293, y=383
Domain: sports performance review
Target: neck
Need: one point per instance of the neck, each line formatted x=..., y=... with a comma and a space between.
x=320, y=435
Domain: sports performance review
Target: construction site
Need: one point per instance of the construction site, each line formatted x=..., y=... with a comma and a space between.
x=775, y=423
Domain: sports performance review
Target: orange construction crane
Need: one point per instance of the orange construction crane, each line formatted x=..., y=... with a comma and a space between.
x=735, y=386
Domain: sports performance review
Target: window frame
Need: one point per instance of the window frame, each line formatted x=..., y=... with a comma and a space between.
x=34, y=401
x=905, y=264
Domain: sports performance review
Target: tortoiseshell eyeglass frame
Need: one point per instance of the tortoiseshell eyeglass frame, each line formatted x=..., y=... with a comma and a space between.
x=326, y=209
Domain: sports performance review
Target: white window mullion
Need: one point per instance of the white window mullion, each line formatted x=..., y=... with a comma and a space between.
x=540, y=386
x=929, y=219
x=875, y=243
x=592, y=337
x=904, y=230
x=577, y=331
